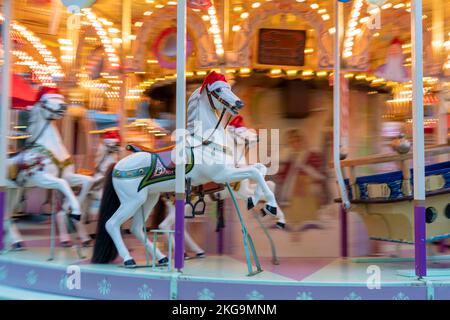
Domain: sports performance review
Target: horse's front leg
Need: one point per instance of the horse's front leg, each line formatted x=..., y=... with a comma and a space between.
x=231, y=174
x=14, y=238
x=86, y=183
x=47, y=181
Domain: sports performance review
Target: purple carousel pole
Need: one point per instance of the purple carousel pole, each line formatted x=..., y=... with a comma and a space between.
x=180, y=136
x=4, y=112
x=337, y=126
x=418, y=138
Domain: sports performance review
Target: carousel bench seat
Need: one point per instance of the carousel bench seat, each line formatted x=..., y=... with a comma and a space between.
x=388, y=186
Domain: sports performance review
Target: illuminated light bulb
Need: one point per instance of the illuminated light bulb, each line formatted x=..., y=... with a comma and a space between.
x=236, y=28
x=205, y=18
x=347, y=54
x=308, y=50
x=325, y=17
x=291, y=73
x=148, y=13
x=201, y=73
x=275, y=71
x=244, y=15
x=399, y=5
x=376, y=34
x=256, y=5
x=386, y=6
x=244, y=70
x=364, y=20
x=237, y=9
x=307, y=73
x=138, y=24
x=332, y=30
x=321, y=11
x=159, y=6
x=322, y=73
x=314, y=6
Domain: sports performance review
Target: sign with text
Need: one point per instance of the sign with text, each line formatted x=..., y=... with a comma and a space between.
x=282, y=47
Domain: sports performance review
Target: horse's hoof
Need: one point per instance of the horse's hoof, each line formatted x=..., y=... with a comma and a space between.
x=163, y=262
x=66, y=244
x=281, y=225
x=186, y=257
x=200, y=255
x=75, y=217
x=263, y=213
x=270, y=210
x=130, y=263
x=18, y=246
x=250, y=204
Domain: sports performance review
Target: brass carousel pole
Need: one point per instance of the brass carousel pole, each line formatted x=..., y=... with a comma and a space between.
x=125, y=48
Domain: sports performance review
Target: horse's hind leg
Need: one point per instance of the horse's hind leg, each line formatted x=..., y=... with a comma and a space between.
x=126, y=210
x=138, y=225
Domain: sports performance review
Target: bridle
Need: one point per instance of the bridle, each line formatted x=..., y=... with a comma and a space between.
x=211, y=94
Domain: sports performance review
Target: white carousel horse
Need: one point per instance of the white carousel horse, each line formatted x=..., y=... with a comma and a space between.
x=137, y=180
x=240, y=139
x=45, y=163
x=107, y=153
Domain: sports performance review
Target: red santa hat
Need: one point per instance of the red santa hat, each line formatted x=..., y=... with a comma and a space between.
x=112, y=135
x=237, y=124
x=214, y=81
x=397, y=41
x=48, y=92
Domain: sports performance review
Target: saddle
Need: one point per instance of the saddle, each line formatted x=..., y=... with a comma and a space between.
x=163, y=153
x=198, y=192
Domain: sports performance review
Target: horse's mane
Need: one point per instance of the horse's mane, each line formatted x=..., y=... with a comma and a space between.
x=192, y=110
x=33, y=119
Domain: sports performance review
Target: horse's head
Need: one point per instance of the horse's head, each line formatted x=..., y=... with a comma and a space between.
x=111, y=140
x=220, y=95
x=51, y=103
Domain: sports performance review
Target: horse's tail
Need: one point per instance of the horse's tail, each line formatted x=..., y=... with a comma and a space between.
x=104, y=250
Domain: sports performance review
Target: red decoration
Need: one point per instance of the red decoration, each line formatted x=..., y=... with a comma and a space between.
x=45, y=91
x=22, y=94
x=199, y=4
x=112, y=134
x=211, y=78
x=237, y=122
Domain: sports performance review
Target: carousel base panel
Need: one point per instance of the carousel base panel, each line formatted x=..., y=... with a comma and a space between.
x=28, y=275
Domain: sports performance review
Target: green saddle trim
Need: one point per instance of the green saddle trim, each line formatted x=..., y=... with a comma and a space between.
x=149, y=179
x=148, y=172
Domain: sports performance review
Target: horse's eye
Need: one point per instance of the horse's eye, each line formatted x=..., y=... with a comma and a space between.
x=218, y=90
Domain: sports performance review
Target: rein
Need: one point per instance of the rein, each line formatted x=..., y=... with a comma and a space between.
x=213, y=107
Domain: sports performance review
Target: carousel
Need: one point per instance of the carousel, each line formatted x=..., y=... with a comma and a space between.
x=291, y=149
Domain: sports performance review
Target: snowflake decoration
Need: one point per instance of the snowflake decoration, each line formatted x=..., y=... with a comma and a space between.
x=400, y=296
x=353, y=296
x=3, y=273
x=304, y=296
x=206, y=294
x=31, y=277
x=104, y=287
x=145, y=292
x=254, y=295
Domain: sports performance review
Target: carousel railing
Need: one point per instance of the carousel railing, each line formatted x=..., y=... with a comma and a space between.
x=396, y=185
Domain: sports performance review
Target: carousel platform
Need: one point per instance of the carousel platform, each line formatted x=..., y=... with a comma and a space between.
x=28, y=274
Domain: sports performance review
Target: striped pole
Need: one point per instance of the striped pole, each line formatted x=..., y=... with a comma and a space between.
x=4, y=111
x=418, y=139
x=180, y=137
